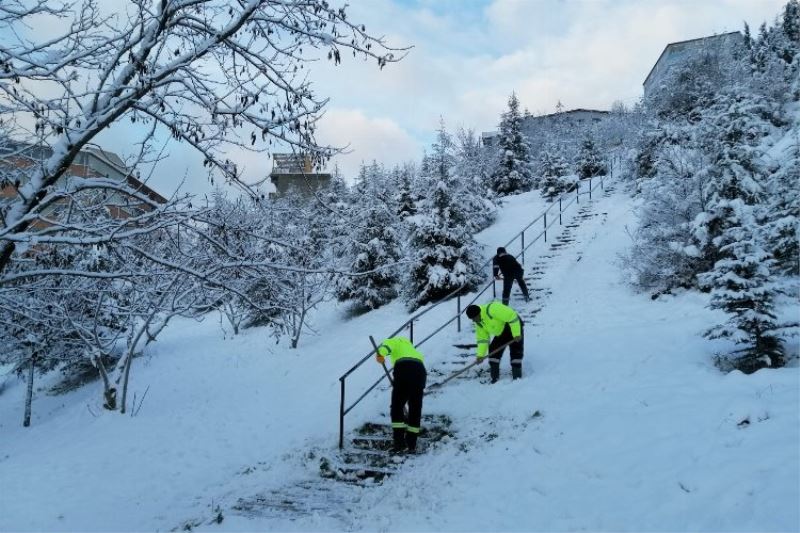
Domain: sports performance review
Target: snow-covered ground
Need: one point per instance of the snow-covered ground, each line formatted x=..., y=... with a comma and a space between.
x=636, y=430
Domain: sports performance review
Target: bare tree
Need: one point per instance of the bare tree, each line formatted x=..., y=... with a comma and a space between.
x=217, y=75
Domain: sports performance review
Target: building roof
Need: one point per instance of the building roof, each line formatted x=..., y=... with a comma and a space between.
x=115, y=161
x=578, y=110
x=141, y=187
x=82, y=170
x=706, y=38
x=108, y=157
x=490, y=134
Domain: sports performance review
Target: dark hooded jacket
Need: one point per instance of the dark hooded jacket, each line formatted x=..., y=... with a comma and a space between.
x=505, y=263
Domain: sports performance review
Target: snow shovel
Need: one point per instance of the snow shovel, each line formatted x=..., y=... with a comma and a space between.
x=476, y=362
x=388, y=375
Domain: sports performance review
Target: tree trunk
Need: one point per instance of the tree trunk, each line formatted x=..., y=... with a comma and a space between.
x=26, y=422
x=109, y=392
x=299, y=327
x=125, y=375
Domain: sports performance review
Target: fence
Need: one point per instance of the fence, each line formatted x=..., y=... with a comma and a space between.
x=565, y=200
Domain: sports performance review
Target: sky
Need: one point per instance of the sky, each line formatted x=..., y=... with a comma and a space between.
x=468, y=56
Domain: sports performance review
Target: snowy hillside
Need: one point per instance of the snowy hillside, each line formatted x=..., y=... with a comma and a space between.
x=621, y=422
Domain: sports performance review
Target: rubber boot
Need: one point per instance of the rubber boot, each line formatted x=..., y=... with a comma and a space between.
x=494, y=372
x=516, y=371
x=399, y=440
x=411, y=442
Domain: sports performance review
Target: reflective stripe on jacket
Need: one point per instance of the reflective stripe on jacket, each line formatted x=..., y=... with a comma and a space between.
x=494, y=317
x=397, y=348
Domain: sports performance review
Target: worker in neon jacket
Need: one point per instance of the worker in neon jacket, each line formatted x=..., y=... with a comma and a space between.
x=496, y=325
x=409, y=377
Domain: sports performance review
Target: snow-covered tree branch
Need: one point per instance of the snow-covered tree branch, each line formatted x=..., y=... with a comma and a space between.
x=216, y=75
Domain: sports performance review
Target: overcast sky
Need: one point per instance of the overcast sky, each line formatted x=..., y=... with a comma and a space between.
x=469, y=55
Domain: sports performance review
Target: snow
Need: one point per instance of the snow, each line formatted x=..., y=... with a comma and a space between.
x=636, y=429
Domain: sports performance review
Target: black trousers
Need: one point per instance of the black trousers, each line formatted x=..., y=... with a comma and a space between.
x=516, y=350
x=409, y=377
x=508, y=281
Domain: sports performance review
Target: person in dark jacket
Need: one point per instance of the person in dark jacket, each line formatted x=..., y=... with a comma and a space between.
x=504, y=263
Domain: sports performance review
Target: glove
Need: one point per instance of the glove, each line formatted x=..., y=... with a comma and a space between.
x=498, y=277
x=381, y=359
x=479, y=360
x=518, y=338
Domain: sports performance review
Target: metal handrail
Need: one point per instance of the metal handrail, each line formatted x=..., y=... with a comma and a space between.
x=457, y=292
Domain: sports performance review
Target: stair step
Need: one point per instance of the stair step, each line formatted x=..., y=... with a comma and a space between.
x=305, y=498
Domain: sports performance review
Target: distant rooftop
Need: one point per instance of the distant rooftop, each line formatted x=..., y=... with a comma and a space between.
x=291, y=164
x=578, y=110
x=677, y=43
x=488, y=135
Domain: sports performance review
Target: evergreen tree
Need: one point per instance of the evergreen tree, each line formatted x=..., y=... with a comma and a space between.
x=471, y=171
x=740, y=285
x=513, y=173
x=775, y=56
x=783, y=212
x=406, y=197
x=554, y=170
x=374, y=245
x=791, y=21
x=730, y=135
x=443, y=253
x=590, y=163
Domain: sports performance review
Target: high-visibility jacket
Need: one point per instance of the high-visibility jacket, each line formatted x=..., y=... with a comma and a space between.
x=494, y=317
x=399, y=348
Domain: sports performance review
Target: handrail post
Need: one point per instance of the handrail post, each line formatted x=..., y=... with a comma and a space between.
x=411, y=330
x=578, y=192
x=341, y=416
x=522, y=234
x=458, y=312
x=559, y=210
x=494, y=287
x=590, y=188
x=545, y=226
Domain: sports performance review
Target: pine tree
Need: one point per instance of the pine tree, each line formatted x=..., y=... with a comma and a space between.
x=554, y=170
x=775, y=56
x=783, y=211
x=443, y=253
x=741, y=286
x=405, y=197
x=513, y=173
x=374, y=245
x=790, y=27
x=791, y=21
x=730, y=135
x=590, y=163
x=471, y=172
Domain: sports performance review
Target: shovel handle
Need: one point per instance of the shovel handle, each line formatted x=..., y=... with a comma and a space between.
x=375, y=346
x=459, y=372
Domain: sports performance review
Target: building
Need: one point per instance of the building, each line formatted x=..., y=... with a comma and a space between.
x=92, y=162
x=574, y=118
x=294, y=173
x=678, y=53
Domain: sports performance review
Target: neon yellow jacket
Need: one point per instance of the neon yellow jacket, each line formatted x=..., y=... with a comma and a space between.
x=494, y=317
x=397, y=348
